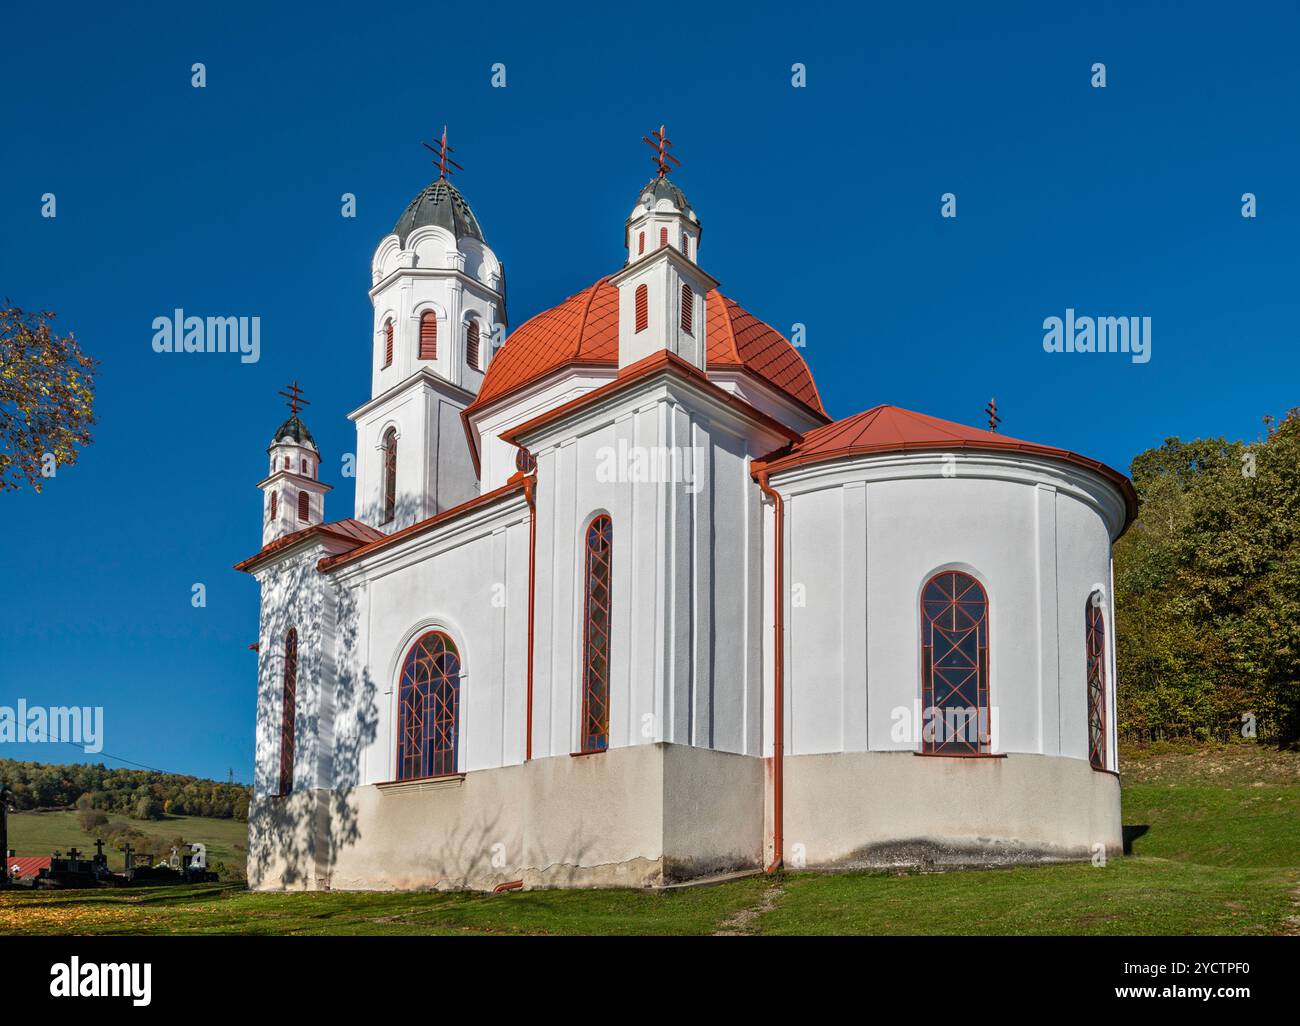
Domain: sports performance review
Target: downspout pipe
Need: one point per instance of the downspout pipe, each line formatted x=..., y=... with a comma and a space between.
x=778, y=677
x=530, y=496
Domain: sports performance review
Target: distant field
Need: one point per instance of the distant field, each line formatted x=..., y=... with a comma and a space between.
x=39, y=833
x=1216, y=851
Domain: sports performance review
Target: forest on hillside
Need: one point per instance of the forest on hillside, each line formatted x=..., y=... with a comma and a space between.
x=140, y=794
x=1207, y=590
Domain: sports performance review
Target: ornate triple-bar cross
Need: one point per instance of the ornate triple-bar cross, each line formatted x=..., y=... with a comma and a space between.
x=992, y=410
x=440, y=151
x=294, y=396
x=658, y=141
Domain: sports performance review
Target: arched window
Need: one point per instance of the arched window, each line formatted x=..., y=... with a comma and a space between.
x=390, y=476
x=663, y=237
x=954, y=665
x=429, y=335
x=595, y=635
x=688, y=310
x=640, y=245
x=471, y=344
x=304, y=506
x=288, y=710
x=1095, y=646
x=642, y=307
x=273, y=505
x=388, y=342
x=429, y=708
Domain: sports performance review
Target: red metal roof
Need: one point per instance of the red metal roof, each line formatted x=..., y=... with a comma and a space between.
x=583, y=331
x=885, y=429
x=515, y=484
x=27, y=865
x=348, y=530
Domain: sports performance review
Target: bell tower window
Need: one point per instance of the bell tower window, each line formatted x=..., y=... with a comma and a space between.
x=390, y=476
x=429, y=336
x=388, y=343
x=471, y=344
x=688, y=310
x=642, y=307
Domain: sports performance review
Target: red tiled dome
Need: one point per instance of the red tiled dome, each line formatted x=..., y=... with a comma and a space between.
x=583, y=331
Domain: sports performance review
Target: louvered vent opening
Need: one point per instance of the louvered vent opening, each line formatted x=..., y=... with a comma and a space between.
x=429, y=336
x=642, y=307
x=688, y=310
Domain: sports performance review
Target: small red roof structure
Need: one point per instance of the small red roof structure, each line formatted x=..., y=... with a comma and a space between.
x=350, y=531
x=884, y=429
x=583, y=331
x=27, y=866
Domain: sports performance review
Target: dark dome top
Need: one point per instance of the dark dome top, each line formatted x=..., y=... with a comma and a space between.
x=439, y=204
x=295, y=429
x=662, y=188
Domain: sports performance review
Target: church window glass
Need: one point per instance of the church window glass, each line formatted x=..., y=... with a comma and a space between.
x=597, y=599
x=954, y=665
x=429, y=708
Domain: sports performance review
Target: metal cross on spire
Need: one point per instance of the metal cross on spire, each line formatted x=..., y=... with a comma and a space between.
x=992, y=410
x=658, y=141
x=440, y=149
x=294, y=397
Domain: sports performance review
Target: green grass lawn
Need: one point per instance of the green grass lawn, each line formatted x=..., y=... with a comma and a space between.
x=39, y=833
x=1220, y=855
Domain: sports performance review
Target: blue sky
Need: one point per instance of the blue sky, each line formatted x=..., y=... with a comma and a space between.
x=820, y=205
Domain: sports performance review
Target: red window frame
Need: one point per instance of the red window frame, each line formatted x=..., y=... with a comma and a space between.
x=1095, y=649
x=663, y=237
x=304, y=506
x=688, y=310
x=640, y=245
x=429, y=335
x=596, y=616
x=390, y=476
x=273, y=505
x=642, y=307
x=388, y=342
x=288, y=710
x=429, y=708
x=954, y=665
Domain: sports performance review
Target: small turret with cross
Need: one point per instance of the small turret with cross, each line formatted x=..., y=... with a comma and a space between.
x=293, y=496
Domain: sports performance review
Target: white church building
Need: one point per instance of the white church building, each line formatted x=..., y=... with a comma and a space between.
x=620, y=604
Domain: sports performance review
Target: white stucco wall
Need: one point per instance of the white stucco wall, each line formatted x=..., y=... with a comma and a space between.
x=864, y=535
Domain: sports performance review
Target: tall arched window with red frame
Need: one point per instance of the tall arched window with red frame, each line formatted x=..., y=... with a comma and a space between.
x=1095, y=648
x=288, y=710
x=954, y=665
x=388, y=342
x=390, y=477
x=304, y=506
x=429, y=708
x=597, y=600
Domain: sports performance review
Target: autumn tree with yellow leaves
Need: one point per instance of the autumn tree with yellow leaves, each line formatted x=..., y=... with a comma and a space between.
x=47, y=398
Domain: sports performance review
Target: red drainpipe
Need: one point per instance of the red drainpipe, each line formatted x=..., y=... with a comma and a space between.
x=530, y=495
x=778, y=680
x=509, y=885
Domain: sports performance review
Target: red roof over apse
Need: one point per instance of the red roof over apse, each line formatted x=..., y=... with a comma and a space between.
x=884, y=429
x=583, y=331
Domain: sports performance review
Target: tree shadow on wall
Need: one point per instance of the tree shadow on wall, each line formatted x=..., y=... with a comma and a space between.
x=294, y=839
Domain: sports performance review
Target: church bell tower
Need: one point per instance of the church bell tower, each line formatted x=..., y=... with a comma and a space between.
x=438, y=293
x=662, y=289
x=293, y=496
